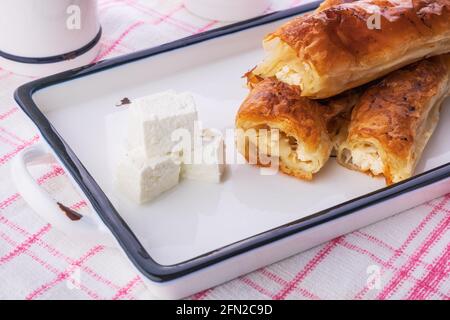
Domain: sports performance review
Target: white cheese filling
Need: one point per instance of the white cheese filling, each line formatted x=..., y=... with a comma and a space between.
x=289, y=76
x=282, y=62
x=367, y=159
x=286, y=148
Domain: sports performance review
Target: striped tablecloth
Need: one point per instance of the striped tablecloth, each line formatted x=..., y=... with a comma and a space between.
x=404, y=257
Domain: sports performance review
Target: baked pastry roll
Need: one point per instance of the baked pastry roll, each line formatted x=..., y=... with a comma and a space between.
x=329, y=3
x=340, y=47
x=394, y=119
x=276, y=122
x=335, y=111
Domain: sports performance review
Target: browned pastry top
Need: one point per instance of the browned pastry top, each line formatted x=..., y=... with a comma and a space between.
x=333, y=110
x=338, y=109
x=402, y=97
x=338, y=35
x=329, y=3
x=274, y=100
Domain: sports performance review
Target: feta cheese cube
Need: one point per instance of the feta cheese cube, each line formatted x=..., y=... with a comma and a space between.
x=153, y=119
x=206, y=162
x=142, y=179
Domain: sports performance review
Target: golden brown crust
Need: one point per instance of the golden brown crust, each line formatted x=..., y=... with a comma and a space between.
x=312, y=123
x=253, y=79
x=339, y=46
x=330, y=3
x=392, y=112
x=274, y=104
x=337, y=110
x=274, y=101
x=334, y=110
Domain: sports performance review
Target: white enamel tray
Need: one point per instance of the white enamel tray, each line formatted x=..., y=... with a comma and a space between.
x=199, y=235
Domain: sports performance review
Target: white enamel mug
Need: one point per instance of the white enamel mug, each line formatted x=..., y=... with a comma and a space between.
x=229, y=10
x=40, y=37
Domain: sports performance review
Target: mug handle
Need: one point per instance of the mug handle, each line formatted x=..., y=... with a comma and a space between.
x=62, y=218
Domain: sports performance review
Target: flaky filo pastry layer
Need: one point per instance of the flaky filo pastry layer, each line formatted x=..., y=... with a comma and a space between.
x=337, y=48
x=394, y=119
x=329, y=3
x=306, y=130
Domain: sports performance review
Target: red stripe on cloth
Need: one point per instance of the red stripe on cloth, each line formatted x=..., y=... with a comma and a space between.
x=53, y=251
x=272, y=276
x=434, y=277
x=24, y=245
x=125, y=290
x=201, y=295
x=79, y=205
x=12, y=135
x=207, y=26
x=373, y=240
x=365, y=252
x=307, y=293
x=8, y=201
x=11, y=154
x=57, y=171
x=443, y=209
x=381, y=243
x=168, y=15
x=8, y=141
x=412, y=235
x=49, y=267
x=255, y=286
x=65, y=274
x=119, y=40
x=102, y=7
x=304, y=292
x=282, y=282
x=123, y=48
x=170, y=20
x=378, y=260
x=8, y=113
x=410, y=265
x=57, y=254
x=310, y=266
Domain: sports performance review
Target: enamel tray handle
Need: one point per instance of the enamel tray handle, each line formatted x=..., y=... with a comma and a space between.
x=62, y=218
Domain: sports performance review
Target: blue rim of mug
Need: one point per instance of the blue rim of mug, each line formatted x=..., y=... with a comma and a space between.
x=54, y=59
